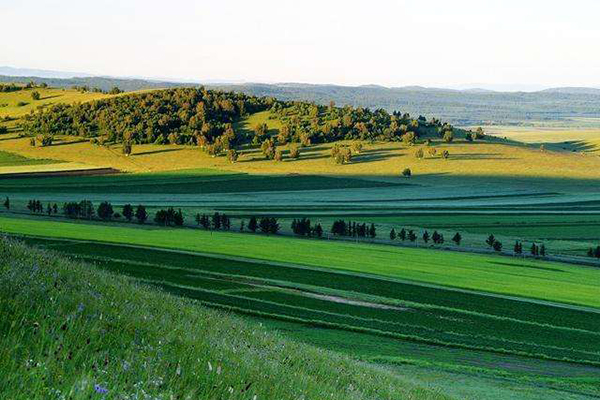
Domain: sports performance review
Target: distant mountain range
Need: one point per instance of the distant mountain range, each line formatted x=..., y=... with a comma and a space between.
x=466, y=106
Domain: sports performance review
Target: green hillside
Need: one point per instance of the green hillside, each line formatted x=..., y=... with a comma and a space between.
x=69, y=331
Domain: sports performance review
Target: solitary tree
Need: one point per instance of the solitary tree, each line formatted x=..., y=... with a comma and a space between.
x=35, y=95
x=457, y=238
x=490, y=240
x=543, y=250
x=7, y=203
x=406, y=172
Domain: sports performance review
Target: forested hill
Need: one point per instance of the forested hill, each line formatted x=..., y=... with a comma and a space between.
x=206, y=117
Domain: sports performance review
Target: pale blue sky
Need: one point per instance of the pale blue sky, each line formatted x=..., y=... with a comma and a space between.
x=393, y=43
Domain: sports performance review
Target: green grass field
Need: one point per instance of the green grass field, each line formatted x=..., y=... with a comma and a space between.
x=67, y=330
x=10, y=160
x=534, y=279
x=378, y=320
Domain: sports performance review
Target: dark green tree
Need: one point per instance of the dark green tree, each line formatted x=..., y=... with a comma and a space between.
x=128, y=212
x=426, y=236
x=140, y=214
x=457, y=238
x=497, y=246
x=252, y=224
x=393, y=234
x=402, y=234
x=105, y=211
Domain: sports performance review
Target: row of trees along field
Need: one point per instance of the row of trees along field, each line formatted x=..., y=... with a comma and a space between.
x=205, y=118
x=269, y=225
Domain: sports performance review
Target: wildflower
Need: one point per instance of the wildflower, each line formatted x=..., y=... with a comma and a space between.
x=100, y=389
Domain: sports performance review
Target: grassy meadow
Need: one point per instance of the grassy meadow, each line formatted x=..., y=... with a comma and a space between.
x=71, y=331
x=10, y=101
x=388, y=322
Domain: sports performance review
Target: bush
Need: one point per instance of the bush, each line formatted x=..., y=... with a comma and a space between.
x=127, y=148
x=294, y=151
x=35, y=95
x=232, y=155
x=448, y=136
x=278, y=155
x=419, y=154
x=357, y=147
x=407, y=173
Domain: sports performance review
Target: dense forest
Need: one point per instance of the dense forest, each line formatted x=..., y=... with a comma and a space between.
x=206, y=118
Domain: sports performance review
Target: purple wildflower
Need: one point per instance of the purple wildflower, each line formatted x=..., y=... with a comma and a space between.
x=100, y=389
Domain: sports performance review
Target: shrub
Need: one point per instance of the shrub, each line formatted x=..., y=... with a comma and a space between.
x=448, y=136
x=419, y=154
x=407, y=173
x=35, y=95
x=294, y=151
x=232, y=155
x=278, y=155
x=127, y=147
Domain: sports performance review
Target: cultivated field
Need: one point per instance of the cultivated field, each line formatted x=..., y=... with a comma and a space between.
x=367, y=312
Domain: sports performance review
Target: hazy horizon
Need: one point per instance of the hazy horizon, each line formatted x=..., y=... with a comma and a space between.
x=464, y=44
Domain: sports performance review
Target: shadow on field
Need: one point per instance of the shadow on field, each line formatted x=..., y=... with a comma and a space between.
x=373, y=155
x=66, y=142
x=50, y=97
x=579, y=146
x=143, y=153
x=479, y=156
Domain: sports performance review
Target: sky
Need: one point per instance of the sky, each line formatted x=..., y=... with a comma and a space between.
x=452, y=43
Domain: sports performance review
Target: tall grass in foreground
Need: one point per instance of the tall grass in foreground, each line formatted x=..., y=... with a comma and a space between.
x=68, y=331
